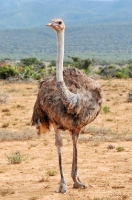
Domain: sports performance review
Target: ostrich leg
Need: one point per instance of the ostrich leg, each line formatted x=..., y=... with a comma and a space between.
x=58, y=142
x=74, y=172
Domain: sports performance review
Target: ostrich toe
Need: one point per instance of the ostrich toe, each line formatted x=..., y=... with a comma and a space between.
x=79, y=184
x=62, y=188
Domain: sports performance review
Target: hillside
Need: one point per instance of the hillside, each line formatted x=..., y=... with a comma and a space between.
x=94, y=28
x=101, y=41
x=31, y=13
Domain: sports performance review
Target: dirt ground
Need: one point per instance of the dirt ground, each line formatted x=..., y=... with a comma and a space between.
x=104, y=149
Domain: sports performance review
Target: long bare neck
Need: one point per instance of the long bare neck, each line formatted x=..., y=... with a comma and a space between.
x=70, y=100
x=60, y=56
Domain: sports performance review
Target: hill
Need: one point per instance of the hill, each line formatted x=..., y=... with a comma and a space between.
x=101, y=41
x=31, y=13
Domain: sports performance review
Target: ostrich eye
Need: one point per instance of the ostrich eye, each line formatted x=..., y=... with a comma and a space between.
x=60, y=22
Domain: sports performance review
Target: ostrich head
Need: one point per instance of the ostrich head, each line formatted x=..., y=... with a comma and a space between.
x=57, y=25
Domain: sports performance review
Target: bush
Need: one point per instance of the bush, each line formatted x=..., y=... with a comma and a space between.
x=28, y=72
x=15, y=158
x=113, y=72
x=29, y=61
x=81, y=64
x=121, y=73
x=7, y=71
x=129, y=70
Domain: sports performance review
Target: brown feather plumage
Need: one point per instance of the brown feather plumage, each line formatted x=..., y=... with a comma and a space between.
x=49, y=107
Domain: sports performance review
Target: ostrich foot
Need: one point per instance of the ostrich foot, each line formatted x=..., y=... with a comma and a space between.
x=79, y=184
x=62, y=188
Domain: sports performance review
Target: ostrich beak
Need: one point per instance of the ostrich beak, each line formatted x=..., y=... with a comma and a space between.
x=49, y=24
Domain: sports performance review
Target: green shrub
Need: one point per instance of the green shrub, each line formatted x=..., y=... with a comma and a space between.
x=121, y=73
x=7, y=71
x=114, y=72
x=83, y=64
x=106, y=109
x=119, y=149
x=51, y=172
x=30, y=61
x=129, y=71
x=30, y=72
x=15, y=158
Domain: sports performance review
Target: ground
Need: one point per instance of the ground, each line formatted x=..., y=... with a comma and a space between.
x=104, y=157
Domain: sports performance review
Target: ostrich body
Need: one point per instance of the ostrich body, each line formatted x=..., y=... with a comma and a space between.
x=69, y=100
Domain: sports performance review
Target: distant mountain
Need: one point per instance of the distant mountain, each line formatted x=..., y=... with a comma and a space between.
x=94, y=28
x=112, y=41
x=16, y=14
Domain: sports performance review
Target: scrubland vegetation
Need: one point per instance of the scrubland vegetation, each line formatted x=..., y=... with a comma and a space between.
x=32, y=68
x=29, y=164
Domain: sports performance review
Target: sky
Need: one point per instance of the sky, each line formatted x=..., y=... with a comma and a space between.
x=102, y=0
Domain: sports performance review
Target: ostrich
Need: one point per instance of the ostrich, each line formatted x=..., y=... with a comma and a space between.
x=69, y=100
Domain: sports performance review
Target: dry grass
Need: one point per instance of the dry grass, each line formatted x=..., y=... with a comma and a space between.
x=26, y=134
x=105, y=135
x=4, y=97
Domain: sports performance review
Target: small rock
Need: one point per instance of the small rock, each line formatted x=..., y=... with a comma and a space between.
x=110, y=146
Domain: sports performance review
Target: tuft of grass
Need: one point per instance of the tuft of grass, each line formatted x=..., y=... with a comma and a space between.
x=109, y=120
x=32, y=145
x=119, y=149
x=106, y=109
x=51, y=172
x=19, y=106
x=15, y=158
x=5, y=110
x=5, y=125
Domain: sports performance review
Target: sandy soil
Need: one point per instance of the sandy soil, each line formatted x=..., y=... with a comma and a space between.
x=107, y=172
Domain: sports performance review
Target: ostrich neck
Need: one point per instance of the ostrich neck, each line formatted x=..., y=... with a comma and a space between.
x=70, y=100
x=60, y=56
